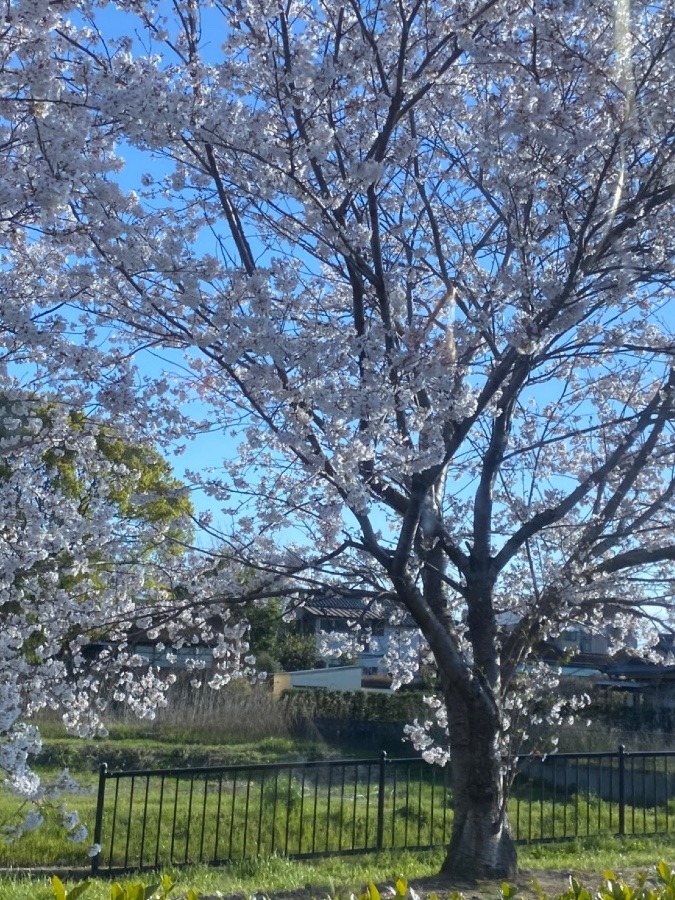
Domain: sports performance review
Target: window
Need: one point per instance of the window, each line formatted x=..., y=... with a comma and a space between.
x=332, y=624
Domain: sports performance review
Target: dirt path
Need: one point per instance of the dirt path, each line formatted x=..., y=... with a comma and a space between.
x=532, y=884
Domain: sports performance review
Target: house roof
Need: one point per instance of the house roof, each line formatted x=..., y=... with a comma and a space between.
x=354, y=607
x=639, y=670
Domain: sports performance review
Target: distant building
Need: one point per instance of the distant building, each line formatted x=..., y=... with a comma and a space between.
x=324, y=616
x=332, y=678
x=646, y=687
x=580, y=640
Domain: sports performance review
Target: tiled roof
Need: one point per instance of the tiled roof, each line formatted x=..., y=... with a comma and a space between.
x=345, y=607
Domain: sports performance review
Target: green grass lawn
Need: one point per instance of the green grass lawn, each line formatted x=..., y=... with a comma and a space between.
x=341, y=875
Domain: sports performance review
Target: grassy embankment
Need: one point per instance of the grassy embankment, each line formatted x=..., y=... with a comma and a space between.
x=288, y=815
x=248, y=727
x=240, y=725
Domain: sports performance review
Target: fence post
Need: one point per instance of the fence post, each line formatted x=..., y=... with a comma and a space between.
x=98, y=822
x=622, y=790
x=380, y=801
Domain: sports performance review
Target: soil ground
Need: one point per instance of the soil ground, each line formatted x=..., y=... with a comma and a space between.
x=532, y=884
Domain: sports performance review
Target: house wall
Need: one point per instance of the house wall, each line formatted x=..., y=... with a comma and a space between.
x=580, y=640
x=382, y=639
x=173, y=659
x=406, y=640
x=335, y=678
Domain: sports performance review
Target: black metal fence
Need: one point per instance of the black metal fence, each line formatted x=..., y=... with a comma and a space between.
x=567, y=795
x=172, y=817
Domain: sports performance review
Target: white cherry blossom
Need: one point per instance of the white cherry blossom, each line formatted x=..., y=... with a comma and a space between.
x=413, y=261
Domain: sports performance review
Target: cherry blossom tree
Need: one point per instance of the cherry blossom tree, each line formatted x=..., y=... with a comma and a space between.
x=414, y=262
x=90, y=552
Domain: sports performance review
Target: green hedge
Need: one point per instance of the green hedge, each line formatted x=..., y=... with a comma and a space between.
x=355, y=706
x=86, y=756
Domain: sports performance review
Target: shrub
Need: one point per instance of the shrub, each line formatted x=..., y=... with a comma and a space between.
x=130, y=890
x=354, y=706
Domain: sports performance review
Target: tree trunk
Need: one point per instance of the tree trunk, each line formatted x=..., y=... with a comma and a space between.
x=481, y=845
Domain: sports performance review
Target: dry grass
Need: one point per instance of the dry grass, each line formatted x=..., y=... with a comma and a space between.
x=238, y=713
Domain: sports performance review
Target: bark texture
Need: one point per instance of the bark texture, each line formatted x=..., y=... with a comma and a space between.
x=481, y=845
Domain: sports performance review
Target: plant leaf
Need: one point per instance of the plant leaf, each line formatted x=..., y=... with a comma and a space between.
x=664, y=871
x=58, y=888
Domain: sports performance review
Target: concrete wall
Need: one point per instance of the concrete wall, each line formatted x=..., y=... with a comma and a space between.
x=335, y=678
